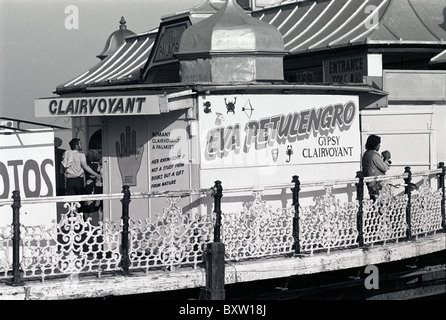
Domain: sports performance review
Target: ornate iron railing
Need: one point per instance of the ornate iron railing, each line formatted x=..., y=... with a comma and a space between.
x=328, y=224
x=258, y=231
x=173, y=239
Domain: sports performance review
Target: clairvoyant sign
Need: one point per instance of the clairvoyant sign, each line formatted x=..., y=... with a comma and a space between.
x=256, y=130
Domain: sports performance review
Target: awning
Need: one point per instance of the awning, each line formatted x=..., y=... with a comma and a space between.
x=321, y=25
x=121, y=67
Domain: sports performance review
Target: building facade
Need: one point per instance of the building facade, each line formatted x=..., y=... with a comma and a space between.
x=296, y=87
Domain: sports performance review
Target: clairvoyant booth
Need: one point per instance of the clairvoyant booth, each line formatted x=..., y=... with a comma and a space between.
x=203, y=98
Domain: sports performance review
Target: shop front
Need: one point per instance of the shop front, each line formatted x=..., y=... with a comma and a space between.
x=232, y=117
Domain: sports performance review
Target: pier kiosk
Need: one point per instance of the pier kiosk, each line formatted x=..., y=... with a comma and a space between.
x=203, y=98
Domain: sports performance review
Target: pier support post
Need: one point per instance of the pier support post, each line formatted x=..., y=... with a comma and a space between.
x=441, y=185
x=214, y=255
x=408, y=191
x=125, y=260
x=215, y=271
x=16, y=272
x=360, y=215
x=295, y=191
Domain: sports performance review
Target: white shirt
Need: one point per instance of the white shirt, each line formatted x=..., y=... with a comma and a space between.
x=73, y=162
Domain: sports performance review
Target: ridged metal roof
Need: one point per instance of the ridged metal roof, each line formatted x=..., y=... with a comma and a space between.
x=123, y=66
x=319, y=25
x=126, y=64
x=306, y=26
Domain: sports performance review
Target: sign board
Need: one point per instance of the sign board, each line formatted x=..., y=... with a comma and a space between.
x=27, y=165
x=167, y=44
x=239, y=131
x=345, y=70
x=148, y=154
x=169, y=155
x=97, y=106
x=352, y=69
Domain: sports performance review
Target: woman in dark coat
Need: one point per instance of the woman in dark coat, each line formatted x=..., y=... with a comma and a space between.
x=374, y=164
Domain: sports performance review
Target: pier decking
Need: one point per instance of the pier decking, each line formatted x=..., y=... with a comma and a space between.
x=76, y=259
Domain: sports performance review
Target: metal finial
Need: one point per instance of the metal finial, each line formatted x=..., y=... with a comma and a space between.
x=123, y=22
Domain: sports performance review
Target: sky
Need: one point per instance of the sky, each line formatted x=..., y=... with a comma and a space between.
x=41, y=46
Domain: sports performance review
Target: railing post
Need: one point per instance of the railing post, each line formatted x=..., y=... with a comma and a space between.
x=441, y=185
x=125, y=259
x=214, y=255
x=295, y=191
x=360, y=198
x=408, y=191
x=218, y=194
x=16, y=272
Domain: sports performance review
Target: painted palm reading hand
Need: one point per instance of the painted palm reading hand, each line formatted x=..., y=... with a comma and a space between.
x=129, y=158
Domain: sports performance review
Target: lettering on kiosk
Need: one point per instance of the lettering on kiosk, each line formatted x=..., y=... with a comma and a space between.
x=89, y=106
x=29, y=174
x=281, y=129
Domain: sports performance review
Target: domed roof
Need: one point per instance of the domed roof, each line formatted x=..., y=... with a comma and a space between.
x=231, y=29
x=115, y=40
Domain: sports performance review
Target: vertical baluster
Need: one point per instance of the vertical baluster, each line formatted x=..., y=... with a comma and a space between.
x=360, y=216
x=16, y=272
x=408, y=191
x=295, y=191
x=125, y=259
x=441, y=185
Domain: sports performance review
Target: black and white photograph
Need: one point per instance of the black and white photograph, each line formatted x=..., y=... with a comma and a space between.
x=237, y=158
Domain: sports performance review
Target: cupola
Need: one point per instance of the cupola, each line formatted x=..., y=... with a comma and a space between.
x=231, y=46
x=115, y=40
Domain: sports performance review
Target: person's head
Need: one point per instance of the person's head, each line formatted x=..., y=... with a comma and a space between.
x=373, y=142
x=57, y=142
x=75, y=144
x=93, y=156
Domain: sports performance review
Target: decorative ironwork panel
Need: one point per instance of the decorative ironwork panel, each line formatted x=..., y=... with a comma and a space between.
x=385, y=219
x=425, y=209
x=328, y=224
x=172, y=240
x=5, y=250
x=257, y=231
x=70, y=247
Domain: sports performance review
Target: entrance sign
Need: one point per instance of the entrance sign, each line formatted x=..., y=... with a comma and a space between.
x=259, y=130
x=345, y=70
x=352, y=69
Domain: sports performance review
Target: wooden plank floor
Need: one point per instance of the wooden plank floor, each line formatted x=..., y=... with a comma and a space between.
x=235, y=272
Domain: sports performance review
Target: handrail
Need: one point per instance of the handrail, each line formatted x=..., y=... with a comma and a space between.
x=331, y=182
x=186, y=193
x=112, y=196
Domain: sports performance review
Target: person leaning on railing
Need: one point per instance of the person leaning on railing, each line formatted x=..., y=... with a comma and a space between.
x=374, y=164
